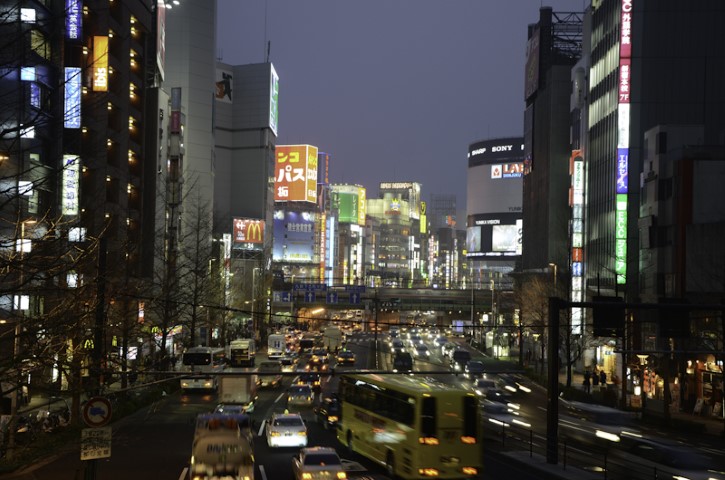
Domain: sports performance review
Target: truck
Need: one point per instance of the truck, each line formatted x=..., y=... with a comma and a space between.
x=242, y=352
x=332, y=338
x=269, y=374
x=238, y=390
x=276, y=346
x=222, y=448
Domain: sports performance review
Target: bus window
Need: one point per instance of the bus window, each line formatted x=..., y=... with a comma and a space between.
x=428, y=417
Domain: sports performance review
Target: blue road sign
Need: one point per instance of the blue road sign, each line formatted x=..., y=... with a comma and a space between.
x=355, y=298
x=309, y=296
x=309, y=286
x=286, y=297
x=331, y=297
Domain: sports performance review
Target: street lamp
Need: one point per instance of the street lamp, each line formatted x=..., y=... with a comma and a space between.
x=555, y=269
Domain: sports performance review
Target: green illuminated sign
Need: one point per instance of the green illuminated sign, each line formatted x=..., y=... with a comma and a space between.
x=620, y=224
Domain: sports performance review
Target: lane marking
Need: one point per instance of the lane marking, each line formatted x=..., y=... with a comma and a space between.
x=183, y=473
x=261, y=428
x=279, y=397
x=262, y=472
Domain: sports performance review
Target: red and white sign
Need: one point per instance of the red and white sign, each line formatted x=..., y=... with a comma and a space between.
x=97, y=412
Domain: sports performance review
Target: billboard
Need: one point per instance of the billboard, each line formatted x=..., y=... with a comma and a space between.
x=295, y=173
x=100, y=64
x=248, y=234
x=72, y=100
x=71, y=182
x=160, y=36
x=273, y=99
x=73, y=20
x=223, y=86
x=293, y=236
x=494, y=235
x=495, y=176
x=350, y=202
x=531, y=80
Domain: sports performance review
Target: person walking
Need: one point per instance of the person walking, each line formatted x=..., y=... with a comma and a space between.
x=587, y=380
x=595, y=377
x=603, y=379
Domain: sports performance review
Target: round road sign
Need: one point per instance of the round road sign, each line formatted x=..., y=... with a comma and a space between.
x=97, y=412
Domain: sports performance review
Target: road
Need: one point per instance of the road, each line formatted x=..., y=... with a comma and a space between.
x=155, y=443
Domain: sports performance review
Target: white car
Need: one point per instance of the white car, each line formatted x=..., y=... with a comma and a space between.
x=317, y=463
x=286, y=430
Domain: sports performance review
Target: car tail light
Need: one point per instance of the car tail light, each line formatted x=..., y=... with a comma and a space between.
x=332, y=418
x=428, y=440
x=469, y=471
x=469, y=440
x=341, y=475
x=428, y=472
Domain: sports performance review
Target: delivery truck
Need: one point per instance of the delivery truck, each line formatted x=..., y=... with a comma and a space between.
x=238, y=390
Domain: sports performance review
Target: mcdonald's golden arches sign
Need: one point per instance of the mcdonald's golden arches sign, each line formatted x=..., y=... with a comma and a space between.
x=248, y=231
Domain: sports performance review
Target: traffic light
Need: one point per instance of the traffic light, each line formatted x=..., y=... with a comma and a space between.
x=608, y=316
x=674, y=321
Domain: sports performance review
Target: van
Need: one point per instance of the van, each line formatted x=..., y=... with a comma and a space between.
x=402, y=362
x=459, y=359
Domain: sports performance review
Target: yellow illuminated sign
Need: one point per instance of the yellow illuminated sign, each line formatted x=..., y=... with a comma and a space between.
x=100, y=64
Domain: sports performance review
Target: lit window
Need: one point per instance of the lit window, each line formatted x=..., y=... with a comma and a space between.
x=21, y=302
x=72, y=280
x=27, y=132
x=77, y=234
x=27, y=74
x=27, y=15
x=23, y=245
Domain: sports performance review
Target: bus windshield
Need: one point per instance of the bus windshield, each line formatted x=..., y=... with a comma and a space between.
x=195, y=358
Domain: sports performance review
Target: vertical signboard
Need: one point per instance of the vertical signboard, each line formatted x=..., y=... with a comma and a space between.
x=72, y=100
x=73, y=19
x=100, y=64
x=576, y=170
x=622, y=161
x=273, y=99
x=362, y=206
x=295, y=178
x=531, y=82
x=160, y=36
x=71, y=181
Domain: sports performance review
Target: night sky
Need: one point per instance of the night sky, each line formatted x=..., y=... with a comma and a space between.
x=394, y=90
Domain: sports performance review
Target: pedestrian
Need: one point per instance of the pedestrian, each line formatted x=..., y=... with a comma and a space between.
x=587, y=380
x=603, y=378
x=25, y=394
x=595, y=378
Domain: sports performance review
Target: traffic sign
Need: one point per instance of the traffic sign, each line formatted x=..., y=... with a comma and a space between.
x=97, y=412
x=95, y=443
x=287, y=297
x=309, y=286
x=331, y=297
x=355, y=298
x=309, y=296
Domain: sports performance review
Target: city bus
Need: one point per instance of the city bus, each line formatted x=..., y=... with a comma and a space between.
x=415, y=428
x=201, y=361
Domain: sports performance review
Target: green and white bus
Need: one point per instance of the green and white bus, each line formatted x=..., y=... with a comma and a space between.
x=416, y=427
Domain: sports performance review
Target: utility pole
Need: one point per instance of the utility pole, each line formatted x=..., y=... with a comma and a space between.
x=552, y=391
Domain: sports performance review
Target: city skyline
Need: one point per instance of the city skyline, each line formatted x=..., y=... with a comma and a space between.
x=455, y=78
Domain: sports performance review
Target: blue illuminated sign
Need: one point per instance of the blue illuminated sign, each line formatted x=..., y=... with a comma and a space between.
x=72, y=105
x=622, y=169
x=73, y=19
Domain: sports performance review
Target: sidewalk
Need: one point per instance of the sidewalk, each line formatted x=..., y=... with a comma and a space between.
x=707, y=424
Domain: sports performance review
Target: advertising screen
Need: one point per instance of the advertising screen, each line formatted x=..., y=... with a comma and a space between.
x=494, y=235
x=495, y=176
x=248, y=234
x=294, y=236
x=273, y=100
x=350, y=202
x=295, y=178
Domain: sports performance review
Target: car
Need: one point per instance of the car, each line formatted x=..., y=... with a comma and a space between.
x=320, y=354
x=483, y=386
x=402, y=362
x=286, y=430
x=440, y=341
x=328, y=412
x=301, y=395
x=397, y=346
x=313, y=463
x=309, y=378
x=288, y=362
x=226, y=412
x=459, y=359
x=474, y=369
x=415, y=340
x=447, y=348
x=316, y=364
x=270, y=374
x=345, y=357
x=422, y=351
